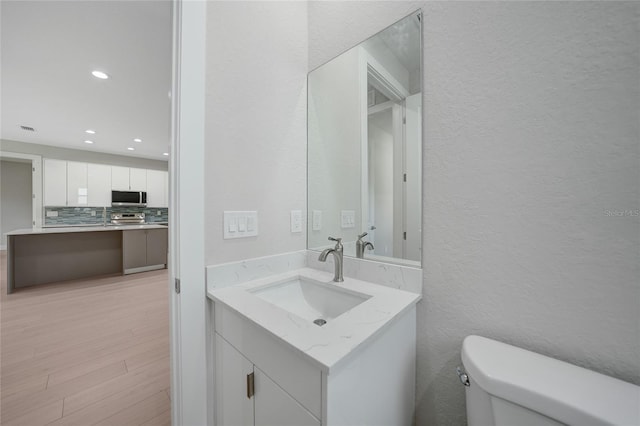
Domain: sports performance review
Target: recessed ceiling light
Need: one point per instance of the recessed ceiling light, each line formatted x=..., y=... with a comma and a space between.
x=137, y=140
x=131, y=149
x=89, y=142
x=165, y=153
x=100, y=75
x=91, y=132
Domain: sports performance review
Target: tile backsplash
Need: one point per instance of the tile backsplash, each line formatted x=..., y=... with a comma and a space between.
x=93, y=215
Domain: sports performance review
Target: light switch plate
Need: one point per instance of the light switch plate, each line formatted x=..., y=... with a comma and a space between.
x=240, y=224
x=316, y=220
x=296, y=220
x=348, y=219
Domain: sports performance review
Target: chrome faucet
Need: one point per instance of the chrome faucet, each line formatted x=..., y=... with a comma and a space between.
x=337, y=258
x=361, y=246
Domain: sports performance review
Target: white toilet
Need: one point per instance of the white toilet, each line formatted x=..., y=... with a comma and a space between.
x=509, y=386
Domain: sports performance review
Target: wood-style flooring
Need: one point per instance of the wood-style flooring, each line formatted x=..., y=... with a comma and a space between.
x=85, y=352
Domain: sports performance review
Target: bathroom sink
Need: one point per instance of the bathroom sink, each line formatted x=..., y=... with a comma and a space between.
x=309, y=299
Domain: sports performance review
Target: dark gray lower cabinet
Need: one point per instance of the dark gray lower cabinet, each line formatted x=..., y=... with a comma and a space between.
x=144, y=249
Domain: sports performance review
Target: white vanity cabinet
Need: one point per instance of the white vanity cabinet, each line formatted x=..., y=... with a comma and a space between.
x=248, y=397
x=287, y=389
x=374, y=384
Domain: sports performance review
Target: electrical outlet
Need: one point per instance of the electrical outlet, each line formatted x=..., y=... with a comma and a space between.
x=348, y=218
x=296, y=220
x=93, y=212
x=316, y=220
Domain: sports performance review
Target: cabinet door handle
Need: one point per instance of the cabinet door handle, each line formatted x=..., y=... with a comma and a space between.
x=250, y=386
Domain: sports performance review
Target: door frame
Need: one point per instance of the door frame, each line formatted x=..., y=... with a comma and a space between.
x=187, y=300
x=36, y=183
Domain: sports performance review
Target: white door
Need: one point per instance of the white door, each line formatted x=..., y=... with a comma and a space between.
x=274, y=407
x=99, y=185
x=55, y=182
x=119, y=178
x=138, y=179
x=233, y=406
x=413, y=186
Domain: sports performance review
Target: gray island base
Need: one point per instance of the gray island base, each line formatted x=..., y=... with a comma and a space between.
x=47, y=255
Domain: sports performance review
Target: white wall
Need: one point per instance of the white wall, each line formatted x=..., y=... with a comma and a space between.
x=47, y=151
x=255, y=132
x=15, y=197
x=531, y=136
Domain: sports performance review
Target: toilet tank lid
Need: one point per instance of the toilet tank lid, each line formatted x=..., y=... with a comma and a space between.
x=562, y=391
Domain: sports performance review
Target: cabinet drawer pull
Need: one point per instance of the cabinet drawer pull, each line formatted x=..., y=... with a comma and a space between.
x=250, y=386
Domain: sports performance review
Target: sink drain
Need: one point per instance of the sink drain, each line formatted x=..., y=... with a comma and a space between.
x=319, y=322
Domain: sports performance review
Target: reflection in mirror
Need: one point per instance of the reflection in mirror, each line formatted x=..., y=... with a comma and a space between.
x=365, y=147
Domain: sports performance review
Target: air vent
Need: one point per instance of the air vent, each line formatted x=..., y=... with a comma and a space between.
x=28, y=129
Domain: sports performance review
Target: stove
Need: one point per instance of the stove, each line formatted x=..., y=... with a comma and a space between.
x=127, y=218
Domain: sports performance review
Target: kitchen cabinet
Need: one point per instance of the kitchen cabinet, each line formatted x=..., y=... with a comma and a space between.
x=248, y=397
x=137, y=179
x=99, y=185
x=128, y=179
x=144, y=250
x=55, y=182
x=157, y=188
x=119, y=178
x=76, y=184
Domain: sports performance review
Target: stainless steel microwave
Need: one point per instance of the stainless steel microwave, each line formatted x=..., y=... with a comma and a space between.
x=129, y=198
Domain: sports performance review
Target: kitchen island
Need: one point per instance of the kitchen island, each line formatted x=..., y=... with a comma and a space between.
x=45, y=255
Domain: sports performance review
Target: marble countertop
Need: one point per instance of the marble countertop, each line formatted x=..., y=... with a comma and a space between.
x=329, y=345
x=83, y=228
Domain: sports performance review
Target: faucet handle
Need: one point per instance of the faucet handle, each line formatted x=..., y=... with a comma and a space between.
x=364, y=234
x=338, y=242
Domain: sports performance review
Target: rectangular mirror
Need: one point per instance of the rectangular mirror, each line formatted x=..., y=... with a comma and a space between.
x=365, y=147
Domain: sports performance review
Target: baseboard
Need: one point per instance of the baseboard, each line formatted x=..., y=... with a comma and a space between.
x=143, y=269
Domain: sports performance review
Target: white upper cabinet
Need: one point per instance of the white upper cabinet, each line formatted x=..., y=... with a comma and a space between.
x=75, y=184
x=99, y=185
x=137, y=179
x=157, y=188
x=119, y=178
x=77, y=192
x=55, y=182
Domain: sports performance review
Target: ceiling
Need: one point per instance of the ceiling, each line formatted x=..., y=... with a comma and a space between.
x=50, y=48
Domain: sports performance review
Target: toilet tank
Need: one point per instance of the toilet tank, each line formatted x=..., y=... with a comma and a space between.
x=510, y=385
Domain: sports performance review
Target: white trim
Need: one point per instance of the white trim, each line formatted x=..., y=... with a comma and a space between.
x=381, y=107
x=386, y=83
x=144, y=269
x=188, y=309
x=36, y=183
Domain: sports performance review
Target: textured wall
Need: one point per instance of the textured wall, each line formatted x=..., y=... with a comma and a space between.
x=531, y=158
x=255, y=131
